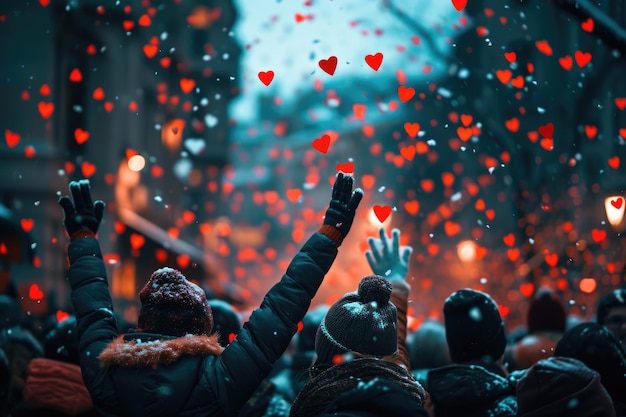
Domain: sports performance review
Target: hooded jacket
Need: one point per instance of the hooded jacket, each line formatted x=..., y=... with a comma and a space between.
x=141, y=374
x=470, y=391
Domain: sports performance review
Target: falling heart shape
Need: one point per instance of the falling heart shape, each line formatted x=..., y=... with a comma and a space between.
x=137, y=241
x=187, y=84
x=587, y=25
x=509, y=239
x=527, y=289
x=582, y=58
x=293, y=194
x=27, y=224
x=459, y=4
x=150, y=50
x=412, y=129
x=329, y=65
x=617, y=203
x=614, y=162
x=88, y=169
x=598, y=235
x=322, y=143
x=510, y=56
x=45, y=109
x=62, y=316
x=405, y=93
x=11, y=138
x=547, y=131
x=81, y=136
x=620, y=102
x=382, y=212
x=266, y=77
x=35, y=293
x=374, y=61
x=552, y=259
x=347, y=168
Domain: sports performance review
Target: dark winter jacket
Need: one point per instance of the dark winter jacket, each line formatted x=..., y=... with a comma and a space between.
x=470, y=391
x=152, y=375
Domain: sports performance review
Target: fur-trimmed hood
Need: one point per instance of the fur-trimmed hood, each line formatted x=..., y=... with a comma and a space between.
x=138, y=352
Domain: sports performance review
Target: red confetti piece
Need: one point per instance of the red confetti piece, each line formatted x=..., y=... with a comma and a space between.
x=45, y=90
x=466, y=119
x=266, y=77
x=547, y=130
x=598, y=235
x=62, y=316
x=45, y=109
x=27, y=224
x=374, y=61
x=81, y=136
x=566, y=62
x=587, y=285
x=617, y=203
x=293, y=194
x=518, y=82
x=329, y=65
x=509, y=239
x=587, y=25
x=614, y=162
x=322, y=143
x=412, y=207
x=137, y=241
x=44, y=3
x=76, y=76
x=510, y=56
x=582, y=58
x=88, y=169
x=346, y=168
x=547, y=143
x=512, y=124
x=405, y=93
x=620, y=103
x=382, y=212
x=145, y=20
x=12, y=139
x=527, y=289
x=513, y=254
x=128, y=25
x=408, y=152
x=504, y=76
x=459, y=4
x=187, y=84
x=412, y=129
x=150, y=50
x=591, y=131
x=35, y=293
x=98, y=94
x=464, y=133
x=544, y=47
x=552, y=259
x=451, y=228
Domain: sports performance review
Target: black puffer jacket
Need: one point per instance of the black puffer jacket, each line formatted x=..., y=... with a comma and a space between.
x=154, y=375
x=471, y=391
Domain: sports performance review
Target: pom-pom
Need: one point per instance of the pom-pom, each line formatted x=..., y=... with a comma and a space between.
x=374, y=288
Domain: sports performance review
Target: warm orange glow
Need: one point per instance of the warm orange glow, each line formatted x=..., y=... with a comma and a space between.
x=466, y=251
x=587, y=285
x=172, y=134
x=614, y=207
x=136, y=163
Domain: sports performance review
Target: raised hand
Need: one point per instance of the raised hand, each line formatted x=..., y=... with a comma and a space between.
x=83, y=213
x=388, y=259
x=343, y=204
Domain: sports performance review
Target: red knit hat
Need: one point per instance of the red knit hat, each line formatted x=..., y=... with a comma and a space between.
x=173, y=306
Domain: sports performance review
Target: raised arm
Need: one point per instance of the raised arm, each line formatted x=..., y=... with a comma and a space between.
x=390, y=260
x=87, y=277
x=263, y=339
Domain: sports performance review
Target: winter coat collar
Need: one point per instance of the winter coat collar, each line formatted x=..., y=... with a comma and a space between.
x=139, y=350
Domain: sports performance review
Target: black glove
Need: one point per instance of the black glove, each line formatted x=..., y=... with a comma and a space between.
x=343, y=204
x=83, y=214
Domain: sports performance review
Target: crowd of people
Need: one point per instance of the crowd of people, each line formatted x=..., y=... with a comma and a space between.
x=191, y=356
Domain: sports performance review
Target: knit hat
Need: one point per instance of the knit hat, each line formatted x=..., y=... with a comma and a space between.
x=599, y=349
x=474, y=327
x=173, y=306
x=607, y=302
x=546, y=313
x=560, y=386
x=364, y=321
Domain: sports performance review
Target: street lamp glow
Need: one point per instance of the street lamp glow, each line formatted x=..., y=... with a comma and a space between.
x=614, y=207
x=466, y=251
x=136, y=163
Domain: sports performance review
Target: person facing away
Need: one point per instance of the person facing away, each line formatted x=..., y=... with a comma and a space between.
x=599, y=349
x=611, y=313
x=476, y=384
x=361, y=342
x=562, y=387
x=173, y=365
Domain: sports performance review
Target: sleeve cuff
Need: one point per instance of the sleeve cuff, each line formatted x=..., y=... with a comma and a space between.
x=80, y=234
x=333, y=233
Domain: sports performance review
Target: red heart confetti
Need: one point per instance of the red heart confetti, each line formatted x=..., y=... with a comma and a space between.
x=27, y=224
x=617, y=203
x=150, y=50
x=509, y=239
x=98, y=94
x=510, y=56
x=620, y=103
x=513, y=254
x=88, y=169
x=518, y=82
x=459, y=4
x=504, y=76
x=374, y=61
x=547, y=144
x=622, y=132
x=346, y=168
x=512, y=124
x=137, y=241
x=382, y=212
x=187, y=84
x=35, y=293
x=614, y=162
x=466, y=119
x=464, y=133
x=582, y=58
x=62, y=316
x=591, y=131
x=405, y=93
x=12, y=139
x=408, y=152
x=527, y=289
x=412, y=129
x=566, y=62
x=322, y=143
x=587, y=25
x=44, y=3
x=45, y=109
x=76, y=76
x=451, y=228
x=547, y=131
x=544, y=47
x=81, y=136
x=45, y=90
x=266, y=77
x=598, y=235
x=359, y=111
x=552, y=259
x=293, y=194
x=329, y=65
x=412, y=207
